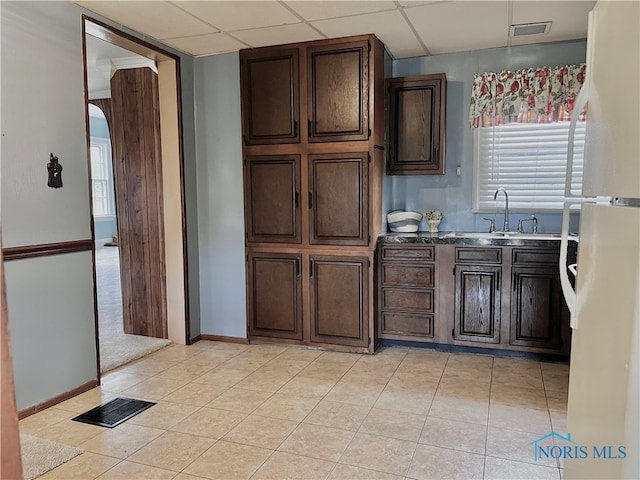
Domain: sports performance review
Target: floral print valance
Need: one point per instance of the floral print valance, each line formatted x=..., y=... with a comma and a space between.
x=534, y=95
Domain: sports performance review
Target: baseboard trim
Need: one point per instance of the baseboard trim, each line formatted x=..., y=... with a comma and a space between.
x=195, y=339
x=221, y=338
x=57, y=399
x=46, y=249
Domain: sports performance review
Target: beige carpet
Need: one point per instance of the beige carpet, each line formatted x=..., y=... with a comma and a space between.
x=116, y=347
x=39, y=455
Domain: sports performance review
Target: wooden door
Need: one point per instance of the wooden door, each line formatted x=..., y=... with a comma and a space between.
x=272, y=198
x=137, y=165
x=338, y=86
x=417, y=125
x=270, y=95
x=275, y=295
x=536, y=307
x=339, y=199
x=339, y=290
x=477, y=304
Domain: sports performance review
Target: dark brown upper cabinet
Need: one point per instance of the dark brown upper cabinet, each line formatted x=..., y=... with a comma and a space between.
x=338, y=199
x=416, y=140
x=272, y=198
x=270, y=95
x=338, y=92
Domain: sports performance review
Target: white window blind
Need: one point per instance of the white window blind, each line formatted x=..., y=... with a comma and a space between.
x=528, y=160
x=101, y=177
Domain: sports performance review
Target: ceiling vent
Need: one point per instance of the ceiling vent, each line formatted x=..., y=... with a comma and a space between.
x=529, y=29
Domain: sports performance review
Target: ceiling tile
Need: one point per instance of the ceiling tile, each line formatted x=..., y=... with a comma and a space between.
x=459, y=26
x=390, y=27
x=260, y=37
x=208, y=44
x=315, y=10
x=229, y=16
x=157, y=19
x=569, y=19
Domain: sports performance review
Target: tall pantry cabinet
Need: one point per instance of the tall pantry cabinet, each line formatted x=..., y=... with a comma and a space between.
x=313, y=136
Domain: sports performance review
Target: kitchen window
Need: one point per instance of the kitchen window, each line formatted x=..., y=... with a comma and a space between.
x=527, y=159
x=102, y=178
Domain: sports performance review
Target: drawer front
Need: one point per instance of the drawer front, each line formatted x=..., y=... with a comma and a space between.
x=407, y=324
x=402, y=299
x=523, y=256
x=408, y=252
x=478, y=255
x=410, y=276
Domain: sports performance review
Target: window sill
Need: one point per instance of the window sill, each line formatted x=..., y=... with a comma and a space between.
x=104, y=218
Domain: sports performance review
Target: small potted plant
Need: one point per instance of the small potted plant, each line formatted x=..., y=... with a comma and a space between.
x=434, y=217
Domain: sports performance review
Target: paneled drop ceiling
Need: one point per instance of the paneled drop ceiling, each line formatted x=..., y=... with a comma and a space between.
x=407, y=28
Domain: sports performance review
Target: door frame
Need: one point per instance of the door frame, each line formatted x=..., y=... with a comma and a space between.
x=169, y=83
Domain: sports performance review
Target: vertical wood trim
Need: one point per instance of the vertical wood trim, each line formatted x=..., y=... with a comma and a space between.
x=94, y=276
x=11, y=463
x=138, y=170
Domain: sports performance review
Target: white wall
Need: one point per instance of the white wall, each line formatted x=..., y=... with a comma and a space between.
x=50, y=299
x=220, y=196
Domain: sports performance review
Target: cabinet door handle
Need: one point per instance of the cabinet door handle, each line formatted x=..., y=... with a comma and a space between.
x=309, y=128
x=311, y=268
x=297, y=199
x=295, y=128
x=297, y=267
x=310, y=200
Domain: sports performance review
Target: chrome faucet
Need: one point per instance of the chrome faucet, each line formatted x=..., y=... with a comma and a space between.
x=534, y=224
x=505, y=227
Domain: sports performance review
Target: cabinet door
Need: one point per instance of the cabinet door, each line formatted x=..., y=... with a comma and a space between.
x=339, y=199
x=536, y=307
x=270, y=96
x=275, y=295
x=417, y=125
x=272, y=198
x=339, y=291
x=338, y=84
x=477, y=305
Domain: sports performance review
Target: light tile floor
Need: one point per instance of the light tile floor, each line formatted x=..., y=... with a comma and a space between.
x=228, y=411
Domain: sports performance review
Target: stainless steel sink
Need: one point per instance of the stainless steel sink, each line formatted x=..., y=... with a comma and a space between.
x=523, y=236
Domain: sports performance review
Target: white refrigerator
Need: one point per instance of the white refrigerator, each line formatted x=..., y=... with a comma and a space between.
x=604, y=400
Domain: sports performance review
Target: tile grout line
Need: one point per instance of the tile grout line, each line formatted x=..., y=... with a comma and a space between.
x=486, y=438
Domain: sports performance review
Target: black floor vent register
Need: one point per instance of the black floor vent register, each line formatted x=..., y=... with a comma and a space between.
x=114, y=412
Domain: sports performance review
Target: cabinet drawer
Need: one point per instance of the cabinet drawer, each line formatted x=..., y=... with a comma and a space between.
x=478, y=255
x=522, y=256
x=408, y=253
x=403, y=299
x=411, y=276
x=407, y=324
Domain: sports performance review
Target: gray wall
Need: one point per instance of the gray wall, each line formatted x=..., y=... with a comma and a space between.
x=51, y=322
x=220, y=195
x=450, y=193
x=50, y=299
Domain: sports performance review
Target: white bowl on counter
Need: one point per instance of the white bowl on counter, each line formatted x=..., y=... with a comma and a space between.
x=401, y=221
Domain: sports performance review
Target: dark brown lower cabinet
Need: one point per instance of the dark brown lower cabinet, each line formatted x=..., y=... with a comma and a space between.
x=536, y=307
x=275, y=295
x=339, y=291
x=477, y=303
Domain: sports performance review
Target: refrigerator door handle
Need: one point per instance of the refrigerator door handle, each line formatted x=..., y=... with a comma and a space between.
x=567, y=289
x=578, y=106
